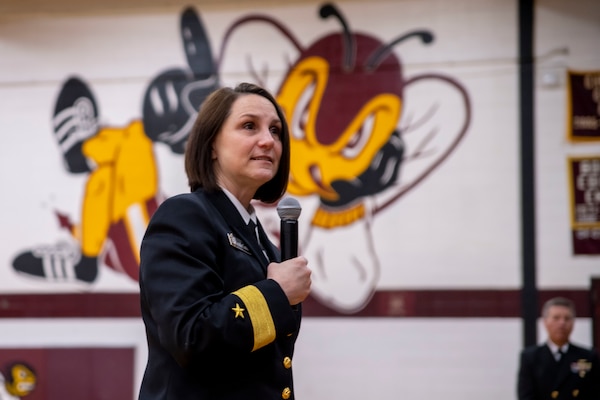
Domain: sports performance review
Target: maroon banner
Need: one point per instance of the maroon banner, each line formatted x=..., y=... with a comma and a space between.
x=584, y=106
x=584, y=174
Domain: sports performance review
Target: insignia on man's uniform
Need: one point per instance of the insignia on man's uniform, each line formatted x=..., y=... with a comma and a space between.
x=581, y=367
x=237, y=243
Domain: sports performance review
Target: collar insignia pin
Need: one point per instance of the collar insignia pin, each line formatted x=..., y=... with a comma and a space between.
x=237, y=243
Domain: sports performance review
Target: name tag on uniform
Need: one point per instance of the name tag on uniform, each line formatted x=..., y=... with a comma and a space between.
x=237, y=243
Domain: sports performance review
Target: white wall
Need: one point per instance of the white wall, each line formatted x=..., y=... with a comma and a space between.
x=560, y=27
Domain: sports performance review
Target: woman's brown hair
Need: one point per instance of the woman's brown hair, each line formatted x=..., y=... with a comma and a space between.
x=199, y=165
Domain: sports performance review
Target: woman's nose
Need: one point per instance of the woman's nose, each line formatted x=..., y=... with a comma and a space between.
x=266, y=137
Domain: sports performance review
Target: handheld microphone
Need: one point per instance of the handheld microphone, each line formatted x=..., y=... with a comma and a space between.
x=289, y=210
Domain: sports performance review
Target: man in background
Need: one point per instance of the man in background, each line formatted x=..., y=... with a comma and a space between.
x=558, y=369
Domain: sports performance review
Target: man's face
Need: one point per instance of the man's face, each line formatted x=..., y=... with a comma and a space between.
x=559, y=322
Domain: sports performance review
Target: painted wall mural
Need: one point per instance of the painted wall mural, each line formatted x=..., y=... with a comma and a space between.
x=359, y=144
x=17, y=380
x=67, y=373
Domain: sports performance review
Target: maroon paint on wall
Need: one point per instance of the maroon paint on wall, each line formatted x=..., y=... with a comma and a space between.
x=456, y=303
x=77, y=373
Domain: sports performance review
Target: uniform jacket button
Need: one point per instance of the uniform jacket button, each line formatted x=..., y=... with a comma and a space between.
x=287, y=363
x=286, y=394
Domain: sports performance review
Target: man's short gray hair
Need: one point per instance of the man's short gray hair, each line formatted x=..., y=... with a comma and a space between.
x=558, y=301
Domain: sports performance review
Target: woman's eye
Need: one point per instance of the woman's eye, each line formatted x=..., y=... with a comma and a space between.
x=276, y=131
x=248, y=125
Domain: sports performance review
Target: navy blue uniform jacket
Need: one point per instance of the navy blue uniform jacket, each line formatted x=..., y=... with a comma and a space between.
x=216, y=327
x=575, y=376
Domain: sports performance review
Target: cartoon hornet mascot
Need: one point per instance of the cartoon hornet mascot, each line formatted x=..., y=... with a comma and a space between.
x=354, y=121
x=17, y=381
x=122, y=190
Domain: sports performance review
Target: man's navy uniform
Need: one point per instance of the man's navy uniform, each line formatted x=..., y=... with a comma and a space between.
x=544, y=375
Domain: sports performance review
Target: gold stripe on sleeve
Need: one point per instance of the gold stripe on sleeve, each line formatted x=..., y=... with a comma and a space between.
x=260, y=315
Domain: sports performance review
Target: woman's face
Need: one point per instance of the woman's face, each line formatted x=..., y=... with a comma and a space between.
x=248, y=147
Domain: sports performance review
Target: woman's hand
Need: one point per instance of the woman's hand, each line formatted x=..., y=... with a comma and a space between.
x=294, y=278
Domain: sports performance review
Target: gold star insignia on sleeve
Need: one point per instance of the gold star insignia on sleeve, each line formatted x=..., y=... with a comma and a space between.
x=239, y=311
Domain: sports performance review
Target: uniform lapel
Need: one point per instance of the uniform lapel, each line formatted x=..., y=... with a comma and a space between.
x=272, y=251
x=548, y=368
x=564, y=367
x=238, y=226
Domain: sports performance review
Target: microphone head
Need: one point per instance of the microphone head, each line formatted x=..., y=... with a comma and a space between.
x=289, y=209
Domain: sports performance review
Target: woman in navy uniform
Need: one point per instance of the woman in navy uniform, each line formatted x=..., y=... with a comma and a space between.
x=558, y=369
x=221, y=311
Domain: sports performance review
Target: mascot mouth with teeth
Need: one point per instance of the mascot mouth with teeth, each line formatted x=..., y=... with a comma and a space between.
x=18, y=381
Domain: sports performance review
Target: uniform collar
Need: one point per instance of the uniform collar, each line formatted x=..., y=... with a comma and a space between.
x=246, y=215
x=554, y=347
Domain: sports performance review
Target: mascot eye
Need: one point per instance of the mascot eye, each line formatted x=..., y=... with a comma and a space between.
x=301, y=112
x=360, y=138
